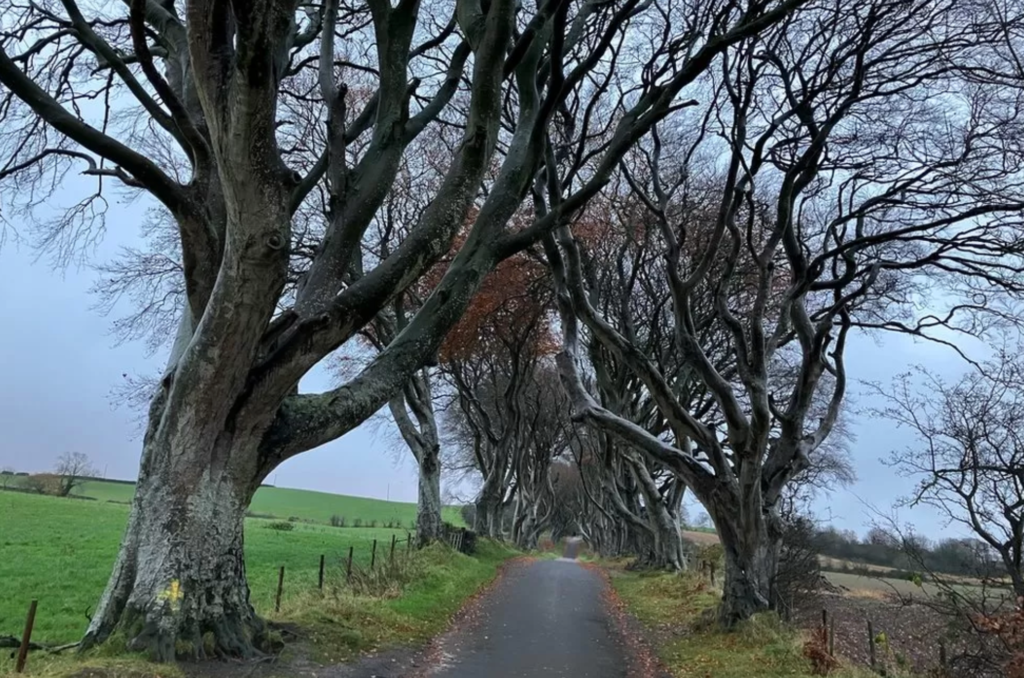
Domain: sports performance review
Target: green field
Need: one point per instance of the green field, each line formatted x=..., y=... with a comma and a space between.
x=60, y=551
x=285, y=503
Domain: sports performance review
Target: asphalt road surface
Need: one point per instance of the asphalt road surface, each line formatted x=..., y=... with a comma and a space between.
x=544, y=618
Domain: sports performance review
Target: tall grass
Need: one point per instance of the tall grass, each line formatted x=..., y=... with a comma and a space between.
x=681, y=608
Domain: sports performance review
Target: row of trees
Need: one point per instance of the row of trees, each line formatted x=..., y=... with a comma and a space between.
x=686, y=207
x=954, y=555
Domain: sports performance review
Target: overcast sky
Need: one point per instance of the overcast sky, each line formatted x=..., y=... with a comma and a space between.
x=59, y=363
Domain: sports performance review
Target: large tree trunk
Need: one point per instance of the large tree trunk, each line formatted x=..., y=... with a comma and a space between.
x=421, y=437
x=490, y=509
x=178, y=585
x=428, y=506
x=747, y=586
x=482, y=519
x=666, y=545
x=751, y=547
x=527, y=527
x=667, y=542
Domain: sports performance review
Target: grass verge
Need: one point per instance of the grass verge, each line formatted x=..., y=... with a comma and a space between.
x=429, y=588
x=676, y=608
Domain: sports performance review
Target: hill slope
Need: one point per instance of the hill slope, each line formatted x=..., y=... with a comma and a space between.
x=282, y=502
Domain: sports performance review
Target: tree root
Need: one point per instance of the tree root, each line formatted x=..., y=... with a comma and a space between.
x=12, y=642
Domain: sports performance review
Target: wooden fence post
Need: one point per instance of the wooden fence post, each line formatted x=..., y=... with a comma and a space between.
x=26, y=637
x=832, y=636
x=408, y=542
x=394, y=538
x=348, y=567
x=321, y=580
x=373, y=555
x=280, y=587
x=871, y=644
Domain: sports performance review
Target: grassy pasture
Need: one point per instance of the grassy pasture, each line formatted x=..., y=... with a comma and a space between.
x=61, y=551
x=282, y=502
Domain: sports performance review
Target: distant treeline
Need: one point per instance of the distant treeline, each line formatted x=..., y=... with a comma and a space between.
x=109, y=480
x=25, y=474
x=967, y=557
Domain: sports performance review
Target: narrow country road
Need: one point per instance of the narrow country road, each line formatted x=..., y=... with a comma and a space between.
x=540, y=619
x=544, y=618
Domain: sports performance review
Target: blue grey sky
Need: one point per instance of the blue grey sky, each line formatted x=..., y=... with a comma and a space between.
x=60, y=362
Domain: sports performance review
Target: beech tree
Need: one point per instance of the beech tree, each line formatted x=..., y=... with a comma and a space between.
x=492, y=361
x=412, y=410
x=624, y=270
x=271, y=131
x=412, y=407
x=854, y=172
x=548, y=429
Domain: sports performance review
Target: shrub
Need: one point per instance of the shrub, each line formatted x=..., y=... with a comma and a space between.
x=373, y=523
x=691, y=551
x=357, y=522
x=709, y=559
x=816, y=650
x=1009, y=628
x=798, y=577
x=338, y=521
x=282, y=525
x=43, y=483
